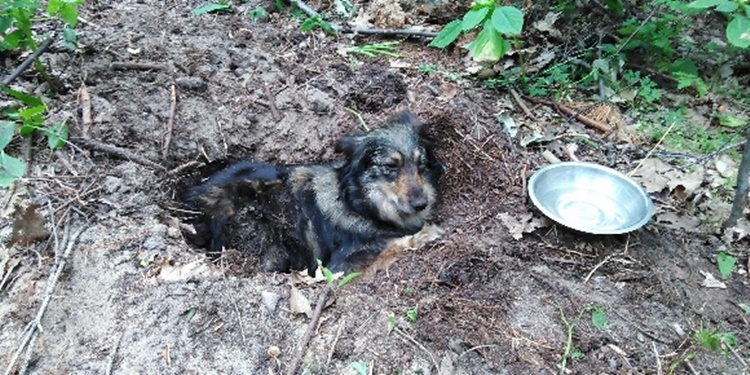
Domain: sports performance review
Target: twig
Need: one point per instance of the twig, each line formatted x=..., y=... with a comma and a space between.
x=658, y=360
x=84, y=100
x=736, y=355
x=521, y=104
x=36, y=324
x=29, y=60
x=335, y=340
x=596, y=267
x=476, y=348
x=181, y=168
x=691, y=368
x=170, y=124
x=300, y=350
x=272, y=104
x=719, y=151
x=118, y=151
x=359, y=117
x=404, y=335
x=137, y=66
x=652, y=149
x=740, y=196
x=111, y=362
x=575, y=114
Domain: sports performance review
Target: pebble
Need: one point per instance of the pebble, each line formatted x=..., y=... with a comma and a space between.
x=270, y=300
x=190, y=83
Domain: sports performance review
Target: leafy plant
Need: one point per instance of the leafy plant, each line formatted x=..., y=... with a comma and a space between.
x=496, y=22
x=725, y=263
x=738, y=29
x=214, y=7
x=330, y=277
x=391, y=323
x=312, y=23
x=371, y=50
x=360, y=367
x=598, y=317
x=715, y=341
x=412, y=314
x=256, y=14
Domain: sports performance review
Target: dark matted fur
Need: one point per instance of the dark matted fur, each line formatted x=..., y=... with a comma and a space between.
x=343, y=213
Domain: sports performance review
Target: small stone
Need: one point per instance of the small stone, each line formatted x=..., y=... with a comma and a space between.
x=270, y=300
x=173, y=232
x=191, y=83
x=274, y=351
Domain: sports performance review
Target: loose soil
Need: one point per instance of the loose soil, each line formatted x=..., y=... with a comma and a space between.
x=135, y=297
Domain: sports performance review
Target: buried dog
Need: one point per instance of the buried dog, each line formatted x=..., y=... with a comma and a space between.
x=344, y=213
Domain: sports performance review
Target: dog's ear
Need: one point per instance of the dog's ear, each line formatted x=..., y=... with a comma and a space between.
x=406, y=117
x=349, y=144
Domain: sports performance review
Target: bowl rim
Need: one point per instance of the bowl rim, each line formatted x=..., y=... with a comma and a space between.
x=649, y=205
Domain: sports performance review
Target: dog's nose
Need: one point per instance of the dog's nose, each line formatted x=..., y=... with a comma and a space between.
x=418, y=203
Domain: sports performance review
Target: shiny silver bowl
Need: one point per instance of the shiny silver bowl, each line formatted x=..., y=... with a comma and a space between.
x=590, y=198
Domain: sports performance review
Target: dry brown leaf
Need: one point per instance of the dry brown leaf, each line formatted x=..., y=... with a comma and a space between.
x=28, y=226
x=525, y=223
x=298, y=303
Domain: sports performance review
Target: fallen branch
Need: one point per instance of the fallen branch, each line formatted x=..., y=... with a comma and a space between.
x=119, y=152
x=740, y=196
x=300, y=351
x=170, y=124
x=35, y=326
x=137, y=66
x=181, y=168
x=29, y=60
x=575, y=114
x=521, y=104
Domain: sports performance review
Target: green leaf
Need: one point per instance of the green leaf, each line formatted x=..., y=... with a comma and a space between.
x=5, y=22
x=12, y=40
x=6, y=133
x=738, y=31
x=57, y=136
x=360, y=367
x=684, y=66
x=599, y=318
x=10, y=169
x=257, y=14
x=349, y=278
x=615, y=6
x=211, y=8
x=447, y=35
x=474, y=17
x=507, y=20
x=489, y=46
x=704, y=4
x=69, y=14
x=412, y=314
x=731, y=121
x=726, y=264
x=29, y=113
x=727, y=6
x=54, y=6
x=29, y=100
x=745, y=307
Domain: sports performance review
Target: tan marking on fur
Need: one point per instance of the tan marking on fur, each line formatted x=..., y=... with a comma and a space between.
x=325, y=185
x=396, y=248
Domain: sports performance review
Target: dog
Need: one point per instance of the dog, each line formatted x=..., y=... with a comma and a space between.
x=343, y=213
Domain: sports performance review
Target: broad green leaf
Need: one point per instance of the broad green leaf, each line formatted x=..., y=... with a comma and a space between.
x=54, y=6
x=599, y=318
x=257, y=14
x=684, y=66
x=727, y=6
x=29, y=100
x=615, y=6
x=731, y=121
x=704, y=4
x=447, y=35
x=211, y=7
x=6, y=133
x=12, y=40
x=29, y=113
x=5, y=22
x=360, y=367
x=10, y=169
x=474, y=17
x=726, y=263
x=57, y=136
x=69, y=14
x=507, y=20
x=489, y=46
x=738, y=31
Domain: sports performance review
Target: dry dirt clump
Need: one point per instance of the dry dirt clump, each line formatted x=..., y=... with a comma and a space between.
x=131, y=296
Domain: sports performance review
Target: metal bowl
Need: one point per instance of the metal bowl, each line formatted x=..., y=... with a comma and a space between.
x=590, y=198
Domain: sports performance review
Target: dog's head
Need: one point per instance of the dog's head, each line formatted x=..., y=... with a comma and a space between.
x=391, y=173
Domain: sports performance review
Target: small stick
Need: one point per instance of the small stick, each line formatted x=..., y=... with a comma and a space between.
x=335, y=340
x=29, y=60
x=272, y=104
x=522, y=104
x=84, y=100
x=404, y=335
x=606, y=259
x=36, y=324
x=658, y=360
x=578, y=116
x=137, y=66
x=120, y=152
x=170, y=124
x=652, y=150
x=300, y=350
x=181, y=168
x=734, y=352
x=112, y=355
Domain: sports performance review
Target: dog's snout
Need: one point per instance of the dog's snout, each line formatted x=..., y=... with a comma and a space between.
x=418, y=202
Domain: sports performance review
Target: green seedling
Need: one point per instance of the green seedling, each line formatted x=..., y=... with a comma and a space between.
x=412, y=314
x=372, y=50
x=330, y=277
x=714, y=341
x=391, y=323
x=214, y=7
x=359, y=117
x=726, y=264
x=257, y=14
x=360, y=367
x=316, y=22
x=599, y=318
